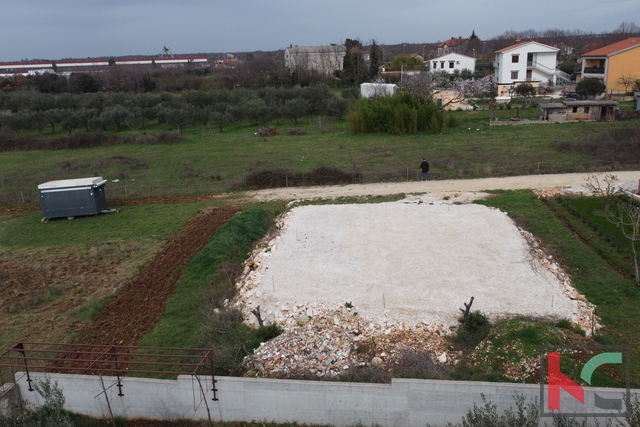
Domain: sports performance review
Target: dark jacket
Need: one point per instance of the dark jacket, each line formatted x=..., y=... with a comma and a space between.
x=424, y=166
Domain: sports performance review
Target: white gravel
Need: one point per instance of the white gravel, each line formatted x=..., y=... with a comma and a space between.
x=417, y=260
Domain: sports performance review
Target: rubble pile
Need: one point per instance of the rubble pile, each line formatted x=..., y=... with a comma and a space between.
x=338, y=340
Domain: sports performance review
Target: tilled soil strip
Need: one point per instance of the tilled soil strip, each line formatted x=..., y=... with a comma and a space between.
x=138, y=305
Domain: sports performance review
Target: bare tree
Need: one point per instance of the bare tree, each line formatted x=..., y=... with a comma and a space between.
x=628, y=80
x=440, y=85
x=627, y=217
x=606, y=188
x=626, y=214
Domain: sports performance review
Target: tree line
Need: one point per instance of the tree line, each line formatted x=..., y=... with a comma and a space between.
x=30, y=110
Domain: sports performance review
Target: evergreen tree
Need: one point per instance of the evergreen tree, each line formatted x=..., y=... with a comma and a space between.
x=375, y=57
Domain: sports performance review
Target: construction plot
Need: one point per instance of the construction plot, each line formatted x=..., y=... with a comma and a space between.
x=400, y=266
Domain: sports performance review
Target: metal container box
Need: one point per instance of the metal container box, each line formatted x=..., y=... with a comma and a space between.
x=72, y=197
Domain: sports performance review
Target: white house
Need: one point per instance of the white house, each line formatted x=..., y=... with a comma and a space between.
x=524, y=62
x=451, y=62
x=323, y=59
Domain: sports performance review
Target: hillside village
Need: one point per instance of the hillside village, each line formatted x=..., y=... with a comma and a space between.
x=552, y=59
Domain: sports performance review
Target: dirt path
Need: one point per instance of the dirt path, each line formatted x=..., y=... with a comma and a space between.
x=138, y=305
x=534, y=182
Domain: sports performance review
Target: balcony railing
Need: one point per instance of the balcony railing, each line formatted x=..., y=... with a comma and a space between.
x=594, y=70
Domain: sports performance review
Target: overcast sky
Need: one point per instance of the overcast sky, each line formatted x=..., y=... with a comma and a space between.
x=54, y=30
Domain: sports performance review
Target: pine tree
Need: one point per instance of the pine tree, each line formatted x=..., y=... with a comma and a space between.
x=375, y=58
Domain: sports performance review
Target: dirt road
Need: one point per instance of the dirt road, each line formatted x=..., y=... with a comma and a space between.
x=535, y=182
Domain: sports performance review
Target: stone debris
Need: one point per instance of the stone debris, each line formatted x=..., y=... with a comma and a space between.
x=335, y=341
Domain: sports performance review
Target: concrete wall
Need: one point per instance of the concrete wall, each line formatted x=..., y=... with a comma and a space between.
x=404, y=402
x=9, y=396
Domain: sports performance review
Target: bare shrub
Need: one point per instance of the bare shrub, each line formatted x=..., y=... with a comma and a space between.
x=267, y=131
x=281, y=177
x=419, y=364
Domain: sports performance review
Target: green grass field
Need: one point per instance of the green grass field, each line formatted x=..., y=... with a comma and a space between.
x=212, y=162
x=566, y=228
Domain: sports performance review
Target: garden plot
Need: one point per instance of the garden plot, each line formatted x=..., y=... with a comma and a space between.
x=410, y=262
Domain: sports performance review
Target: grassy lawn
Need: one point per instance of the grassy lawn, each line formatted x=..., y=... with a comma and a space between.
x=569, y=235
x=212, y=162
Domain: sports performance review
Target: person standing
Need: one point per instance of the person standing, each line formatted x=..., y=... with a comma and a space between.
x=425, y=169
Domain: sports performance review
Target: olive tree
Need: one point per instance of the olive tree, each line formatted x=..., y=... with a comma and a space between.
x=590, y=87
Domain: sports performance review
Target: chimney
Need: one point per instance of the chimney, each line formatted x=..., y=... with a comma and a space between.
x=536, y=40
x=518, y=40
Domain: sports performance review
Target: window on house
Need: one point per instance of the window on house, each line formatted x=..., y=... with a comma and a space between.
x=514, y=75
x=441, y=64
x=574, y=110
x=586, y=110
x=435, y=64
x=515, y=59
x=452, y=64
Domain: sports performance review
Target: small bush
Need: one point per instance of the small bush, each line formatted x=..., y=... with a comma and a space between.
x=419, y=364
x=472, y=330
x=487, y=415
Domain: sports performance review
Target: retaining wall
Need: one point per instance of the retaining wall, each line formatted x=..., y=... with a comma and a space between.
x=404, y=402
x=9, y=396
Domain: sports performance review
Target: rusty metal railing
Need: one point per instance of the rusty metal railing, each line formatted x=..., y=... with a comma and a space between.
x=119, y=361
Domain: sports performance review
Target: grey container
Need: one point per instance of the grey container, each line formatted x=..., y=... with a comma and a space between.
x=72, y=197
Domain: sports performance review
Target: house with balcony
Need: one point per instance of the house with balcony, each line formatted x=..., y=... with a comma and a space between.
x=610, y=63
x=524, y=62
x=451, y=62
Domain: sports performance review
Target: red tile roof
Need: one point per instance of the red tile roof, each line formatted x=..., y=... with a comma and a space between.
x=452, y=42
x=615, y=48
x=522, y=43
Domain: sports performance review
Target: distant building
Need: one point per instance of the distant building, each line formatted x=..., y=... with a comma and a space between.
x=322, y=59
x=571, y=111
x=456, y=45
x=95, y=65
x=451, y=62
